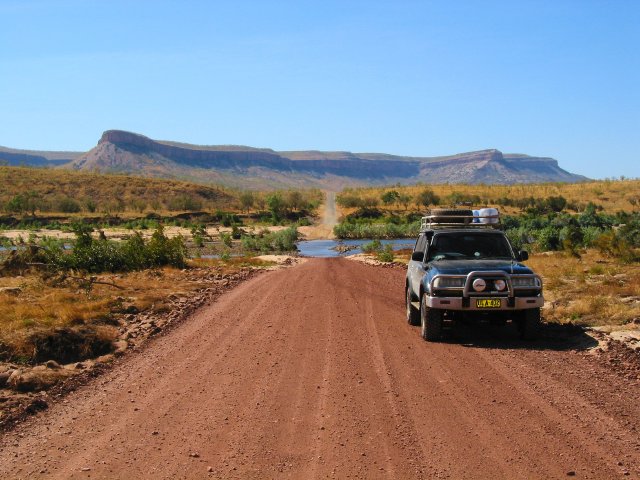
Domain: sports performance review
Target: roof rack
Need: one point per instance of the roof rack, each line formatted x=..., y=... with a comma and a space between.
x=444, y=221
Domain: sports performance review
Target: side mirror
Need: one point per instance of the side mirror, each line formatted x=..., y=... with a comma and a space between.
x=523, y=255
x=417, y=256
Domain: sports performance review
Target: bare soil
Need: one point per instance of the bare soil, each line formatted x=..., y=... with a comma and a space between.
x=328, y=216
x=313, y=372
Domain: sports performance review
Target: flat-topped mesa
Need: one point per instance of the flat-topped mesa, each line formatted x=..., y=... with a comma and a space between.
x=480, y=157
x=240, y=157
x=515, y=159
x=239, y=165
x=121, y=136
x=197, y=156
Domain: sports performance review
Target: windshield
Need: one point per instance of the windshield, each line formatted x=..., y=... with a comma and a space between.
x=451, y=246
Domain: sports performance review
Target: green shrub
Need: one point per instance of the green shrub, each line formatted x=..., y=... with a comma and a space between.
x=386, y=254
x=614, y=245
x=67, y=205
x=226, y=239
x=198, y=234
x=376, y=230
x=184, y=203
x=373, y=246
x=95, y=256
x=280, y=241
x=630, y=231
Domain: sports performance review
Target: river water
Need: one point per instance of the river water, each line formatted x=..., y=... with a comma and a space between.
x=318, y=248
x=326, y=248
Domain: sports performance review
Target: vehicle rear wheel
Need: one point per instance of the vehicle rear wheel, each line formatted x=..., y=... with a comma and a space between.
x=413, y=315
x=430, y=321
x=530, y=324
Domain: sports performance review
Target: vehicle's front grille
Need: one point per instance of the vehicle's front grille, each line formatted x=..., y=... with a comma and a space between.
x=486, y=293
x=527, y=293
x=448, y=293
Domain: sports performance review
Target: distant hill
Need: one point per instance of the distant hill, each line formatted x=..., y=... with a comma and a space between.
x=261, y=168
x=34, y=158
x=53, y=188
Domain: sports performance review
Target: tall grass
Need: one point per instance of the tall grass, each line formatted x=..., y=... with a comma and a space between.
x=611, y=195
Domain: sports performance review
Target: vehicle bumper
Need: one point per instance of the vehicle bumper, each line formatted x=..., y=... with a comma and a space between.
x=466, y=304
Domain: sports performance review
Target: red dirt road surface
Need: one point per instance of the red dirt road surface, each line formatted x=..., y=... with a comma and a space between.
x=312, y=372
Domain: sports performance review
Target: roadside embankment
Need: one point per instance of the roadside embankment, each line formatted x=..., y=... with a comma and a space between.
x=58, y=331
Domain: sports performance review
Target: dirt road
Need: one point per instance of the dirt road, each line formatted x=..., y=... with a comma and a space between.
x=328, y=214
x=312, y=372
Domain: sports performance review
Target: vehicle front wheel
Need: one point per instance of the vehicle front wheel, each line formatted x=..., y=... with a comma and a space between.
x=430, y=321
x=413, y=315
x=530, y=324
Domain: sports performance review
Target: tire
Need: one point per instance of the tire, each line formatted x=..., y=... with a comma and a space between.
x=446, y=215
x=430, y=322
x=413, y=315
x=530, y=324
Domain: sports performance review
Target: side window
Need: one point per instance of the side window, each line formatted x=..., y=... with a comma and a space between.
x=427, y=242
x=420, y=243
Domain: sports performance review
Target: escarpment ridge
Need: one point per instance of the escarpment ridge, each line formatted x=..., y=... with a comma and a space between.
x=248, y=167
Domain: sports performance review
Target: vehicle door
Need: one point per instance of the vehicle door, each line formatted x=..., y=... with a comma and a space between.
x=416, y=267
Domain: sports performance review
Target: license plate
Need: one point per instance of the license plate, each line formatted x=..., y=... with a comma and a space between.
x=489, y=303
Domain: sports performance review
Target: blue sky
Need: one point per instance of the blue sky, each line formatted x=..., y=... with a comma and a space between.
x=548, y=78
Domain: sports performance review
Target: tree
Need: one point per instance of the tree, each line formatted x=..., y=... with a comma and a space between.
x=67, y=205
x=260, y=202
x=572, y=237
x=390, y=197
x=427, y=197
x=246, y=200
x=295, y=200
x=405, y=200
x=90, y=205
x=138, y=204
x=24, y=203
x=556, y=204
x=275, y=204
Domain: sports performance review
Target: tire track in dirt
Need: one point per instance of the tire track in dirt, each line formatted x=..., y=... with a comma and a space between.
x=312, y=372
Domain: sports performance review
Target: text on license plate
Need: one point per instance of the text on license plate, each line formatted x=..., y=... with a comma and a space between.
x=489, y=303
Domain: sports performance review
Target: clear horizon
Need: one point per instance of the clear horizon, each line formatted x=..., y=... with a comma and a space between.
x=548, y=79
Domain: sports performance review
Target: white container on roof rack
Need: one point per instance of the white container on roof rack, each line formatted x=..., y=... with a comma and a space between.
x=489, y=215
x=482, y=218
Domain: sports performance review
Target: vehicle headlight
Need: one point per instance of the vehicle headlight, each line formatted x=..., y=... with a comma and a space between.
x=448, y=282
x=525, y=282
x=499, y=285
x=479, y=285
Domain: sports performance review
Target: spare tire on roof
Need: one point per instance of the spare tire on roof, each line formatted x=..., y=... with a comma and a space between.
x=445, y=215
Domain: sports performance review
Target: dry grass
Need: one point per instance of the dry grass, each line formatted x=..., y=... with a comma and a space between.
x=590, y=291
x=43, y=306
x=115, y=193
x=127, y=195
x=612, y=195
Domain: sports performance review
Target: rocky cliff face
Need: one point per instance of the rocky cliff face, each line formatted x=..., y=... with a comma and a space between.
x=117, y=149
x=241, y=166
